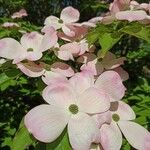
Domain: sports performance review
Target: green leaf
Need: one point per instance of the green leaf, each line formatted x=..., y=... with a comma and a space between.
x=138, y=30
x=92, y=37
x=62, y=143
x=22, y=138
x=5, y=82
x=12, y=72
x=107, y=41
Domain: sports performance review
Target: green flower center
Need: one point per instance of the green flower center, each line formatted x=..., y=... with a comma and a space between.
x=30, y=49
x=60, y=21
x=115, y=117
x=73, y=108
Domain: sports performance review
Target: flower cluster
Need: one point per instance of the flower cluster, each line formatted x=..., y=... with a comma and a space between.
x=87, y=98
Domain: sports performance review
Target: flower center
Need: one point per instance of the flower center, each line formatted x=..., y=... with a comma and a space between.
x=30, y=49
x=115, y=117
x=73, y=108
x=60, y=21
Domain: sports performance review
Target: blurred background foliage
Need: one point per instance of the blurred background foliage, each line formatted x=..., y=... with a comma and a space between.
x=18, y=93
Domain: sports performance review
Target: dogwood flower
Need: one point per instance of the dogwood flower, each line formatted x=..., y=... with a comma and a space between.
x=71, y=109
x=119, y=120
x=68, y=16
x=70, y=50
x=19, y=14
x=30, y=47
x=109, y=62
x=10, y=25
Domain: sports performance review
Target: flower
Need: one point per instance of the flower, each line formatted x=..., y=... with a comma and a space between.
x=68, y=16
x=31, y=47
x=19, y=14
x=71, y=109
x=70, y=50
x=119, y=121
x=109, y=62
x=10, y=25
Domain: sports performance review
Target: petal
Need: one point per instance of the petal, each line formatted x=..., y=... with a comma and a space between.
x=123, y=74
x=61, y=96
x=93, y=101
x=94, y=67
x=135, y=134
x=81, y=129
x=10, y=48
x=84, y=46
x=110, y=61
x=109, y=56
x=53, y=78
x=46, y=122
x=124, y=111
x=86, y=58
x=111, y=138
x=49, y=40
x=81, y=81
x=31, y=40
x=96, y=19
x=131, y=15
x=64, y=55
x=111, y=83
x=53, y=21
x=62, y=68
x=73, y=48
x=31, y=71
x=69, y=14
x=33, y=56
x=68, y=31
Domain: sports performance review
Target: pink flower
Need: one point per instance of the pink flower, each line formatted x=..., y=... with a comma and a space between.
x=68, y=16
x=109, y=62
x=110, y=135
x=19, y=14
x=68, y=108
x=109, y=81
x=70, y=50
x=10, y=25
x=31, y=47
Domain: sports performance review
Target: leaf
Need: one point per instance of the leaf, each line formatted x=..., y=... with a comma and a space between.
x=92, y=37
x=107, y=41
x=61, y=143
x=138, y=30
x=22, y=138
x=12, y=72
x=5, y=82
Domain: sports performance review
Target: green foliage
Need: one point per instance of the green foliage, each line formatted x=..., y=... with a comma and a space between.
x=22, y=138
